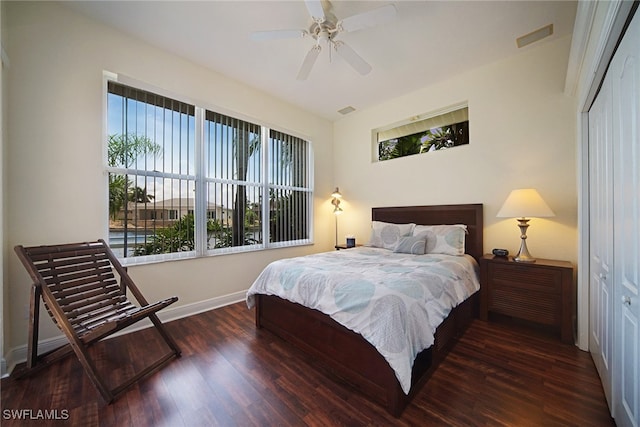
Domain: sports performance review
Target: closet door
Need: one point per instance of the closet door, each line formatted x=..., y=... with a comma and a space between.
x=625, y=73
x=601, y=236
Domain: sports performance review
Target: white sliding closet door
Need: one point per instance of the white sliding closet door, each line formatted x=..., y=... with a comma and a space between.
x=601, y=236
x=614, y=227
x=625, y=76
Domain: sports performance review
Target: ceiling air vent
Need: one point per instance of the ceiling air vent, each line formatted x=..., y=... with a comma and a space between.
x=534, y=36
x=347, y=110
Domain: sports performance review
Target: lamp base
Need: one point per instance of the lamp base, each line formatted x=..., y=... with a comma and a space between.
x=523, y=259
x=523, y=254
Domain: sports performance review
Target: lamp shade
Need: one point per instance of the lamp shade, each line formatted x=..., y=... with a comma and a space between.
x=524, y=203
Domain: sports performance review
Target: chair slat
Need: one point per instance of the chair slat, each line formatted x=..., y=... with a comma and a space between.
x=93, y=310
x=65, y=289
x=78, y=304
x=53, y=277
x=71, y=263
x=131, y=315
x=38, y=253
x=110, y=314
x=78, y=271
x=87, y=295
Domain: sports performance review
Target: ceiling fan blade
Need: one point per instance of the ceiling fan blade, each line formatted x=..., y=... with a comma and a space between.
x=309, y=60
x=350, y=55
x=278, y=34
x=367, y=19
x=315, y=10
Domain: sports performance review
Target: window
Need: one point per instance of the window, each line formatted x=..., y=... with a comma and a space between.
x=185, y=181
x=423, y=134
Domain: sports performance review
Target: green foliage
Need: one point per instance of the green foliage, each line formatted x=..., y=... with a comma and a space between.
x=285, y=222
x=139, y=195
x=437, y=139
x=400, y=147
x=432, y=139
x=407, y=145
x=176, y=238
x=122, y=151
x=117, y=191
x=179, y=237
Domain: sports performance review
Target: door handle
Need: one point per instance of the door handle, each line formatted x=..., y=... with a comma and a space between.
x=626, y=300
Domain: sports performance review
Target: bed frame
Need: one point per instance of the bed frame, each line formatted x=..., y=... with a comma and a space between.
x=347, y=353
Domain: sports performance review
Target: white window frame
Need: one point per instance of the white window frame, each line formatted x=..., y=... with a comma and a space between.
x=200, y=209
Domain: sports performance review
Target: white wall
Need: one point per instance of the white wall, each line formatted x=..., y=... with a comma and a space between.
x=56, y=187
x=522, y=134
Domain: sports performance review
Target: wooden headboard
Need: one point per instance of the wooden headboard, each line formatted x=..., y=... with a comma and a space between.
x=469, y=214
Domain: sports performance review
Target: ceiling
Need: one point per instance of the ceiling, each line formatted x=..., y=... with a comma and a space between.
x=426, y=42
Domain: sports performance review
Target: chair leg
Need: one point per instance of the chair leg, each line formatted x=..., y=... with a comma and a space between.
x=81, y=353
x=34, y=323
x=165, y=335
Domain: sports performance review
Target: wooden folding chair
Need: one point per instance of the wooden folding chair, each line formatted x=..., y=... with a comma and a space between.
x=87, y=302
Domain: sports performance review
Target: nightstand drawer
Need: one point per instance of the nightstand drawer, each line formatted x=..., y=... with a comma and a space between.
x=540, y=307
x=518, y=276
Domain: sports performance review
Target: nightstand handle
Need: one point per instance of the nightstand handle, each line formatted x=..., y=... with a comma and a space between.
x=626, y=300
x=602, y=276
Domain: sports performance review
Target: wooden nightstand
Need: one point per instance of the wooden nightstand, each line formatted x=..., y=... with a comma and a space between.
x=542, y=292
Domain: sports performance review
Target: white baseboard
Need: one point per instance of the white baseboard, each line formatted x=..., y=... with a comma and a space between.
x=19, y=354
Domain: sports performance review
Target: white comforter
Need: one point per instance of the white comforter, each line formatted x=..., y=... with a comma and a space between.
x=395, y=301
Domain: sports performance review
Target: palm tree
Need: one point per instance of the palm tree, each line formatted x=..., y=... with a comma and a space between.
x=446, y=137
x=245, y=143
x=122, y=152
x=399, y=147
x=437, y=139
x=125, y=149
x=117, y=188
x=407, y=145
x=139, y=195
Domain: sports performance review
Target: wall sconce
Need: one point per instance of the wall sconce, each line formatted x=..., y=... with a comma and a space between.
x=337, y=210
x=521, y=204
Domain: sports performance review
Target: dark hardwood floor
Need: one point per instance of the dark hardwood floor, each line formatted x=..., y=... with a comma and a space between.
x=232, y=374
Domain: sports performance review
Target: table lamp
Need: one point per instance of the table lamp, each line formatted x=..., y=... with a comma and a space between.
x=524, y=204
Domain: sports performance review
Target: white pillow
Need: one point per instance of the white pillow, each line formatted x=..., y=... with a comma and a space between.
x=443, y=239
x=387, y=235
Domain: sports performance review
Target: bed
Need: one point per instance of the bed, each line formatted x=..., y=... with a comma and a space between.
x=347, y=353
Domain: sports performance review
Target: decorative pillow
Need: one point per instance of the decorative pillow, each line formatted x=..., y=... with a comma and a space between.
x=387, y=235
x=415, y=245
x=443, y=239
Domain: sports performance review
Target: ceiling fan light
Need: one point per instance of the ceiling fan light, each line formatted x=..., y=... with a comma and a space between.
x=324, y=36
x=325, y=28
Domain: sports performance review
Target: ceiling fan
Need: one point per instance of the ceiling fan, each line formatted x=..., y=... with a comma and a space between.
x=324, y=30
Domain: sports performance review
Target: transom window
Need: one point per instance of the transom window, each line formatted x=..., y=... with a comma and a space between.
x=185, y=181
x=425, y=133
